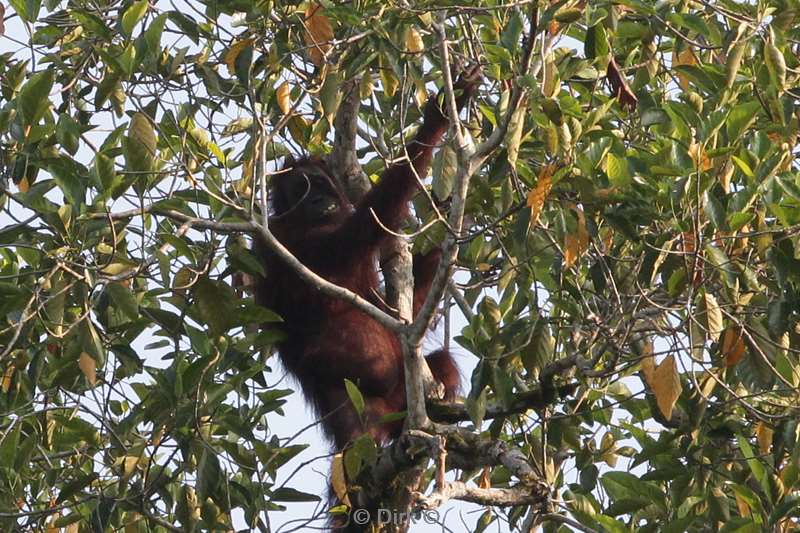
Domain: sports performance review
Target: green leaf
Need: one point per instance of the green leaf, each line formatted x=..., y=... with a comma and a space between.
x=9, y=446
x=133, y=15
x=123, y=299
x=28, y=10
x=68, y=133
x=209, y=474
x=740, y=118
x=355, y=396
x=617, y=170
x=288, y=494
x=758, y=470
x=596, y=44
x=33, y=99
x=623, y=485
x=152, y=37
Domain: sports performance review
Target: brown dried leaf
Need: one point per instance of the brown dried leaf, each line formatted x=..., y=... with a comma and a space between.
x=88, y=366
x=576, y=243
x=713, y=318
x=233, y=52
x=664, y=381
x=537, y=196
x=733, y=346
x=414, y=42
x=318, y=33
x=6, y=380
x=484, y=481
x=684, y=57
x=764, y=437
x=282, y=95
x=339, y=479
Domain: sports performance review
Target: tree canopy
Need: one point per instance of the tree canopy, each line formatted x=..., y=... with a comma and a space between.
x=621, y=203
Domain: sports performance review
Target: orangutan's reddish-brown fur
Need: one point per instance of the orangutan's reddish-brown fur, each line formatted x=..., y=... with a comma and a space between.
x=329, y=340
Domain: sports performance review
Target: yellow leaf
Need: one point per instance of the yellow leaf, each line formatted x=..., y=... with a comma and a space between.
x=282, y=94
x=414, y=42
x=741, y=505
x=318, y=33
x=608, y=448
x=571, y=250
x=233, y=52
x=484, y=481
x=708, y=385
x=365, y=87
x=50, y=527
x=764, y=437
x=732, y=345
x=388, y=79
x=664, y=381
x=6, y=381
x=141, y=130
x=516, y=126
x=129, y=463
x=684, y=57
x=576, y=243
x=338, y=479
x=23, y=185
x=550, y=79
x=713, y=317
x=537, y=196
x=133, y=519
x=73, y=528
x=699, y=157
x=88, y=366
x=726, y=175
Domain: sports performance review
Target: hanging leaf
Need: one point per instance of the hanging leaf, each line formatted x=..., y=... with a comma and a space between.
x=133, y=15
x=537, y=196
x=776, y=65
x=88, y=366
x=355, y=396
x=664, y=382
x=339, y=479
x=388, y=79
x=733, y=63
x=684, y=57
x=33, y=99
x=733, y=346
x=232, y=53
x=318, y=33
x=139, y=147
x=516, y=126
x=764, y=437
x=576, y=243
x=550, y=80
x=283, y=96
x=5, y=384
x=713, y=316
x=413, y=41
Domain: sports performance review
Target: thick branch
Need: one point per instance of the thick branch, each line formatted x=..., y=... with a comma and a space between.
x=458, y=490
x=343, y=160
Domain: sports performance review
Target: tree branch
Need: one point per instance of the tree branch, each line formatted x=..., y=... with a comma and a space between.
x=449, y=412
x=195, y=222
x=325, y=286
x=458, y=490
